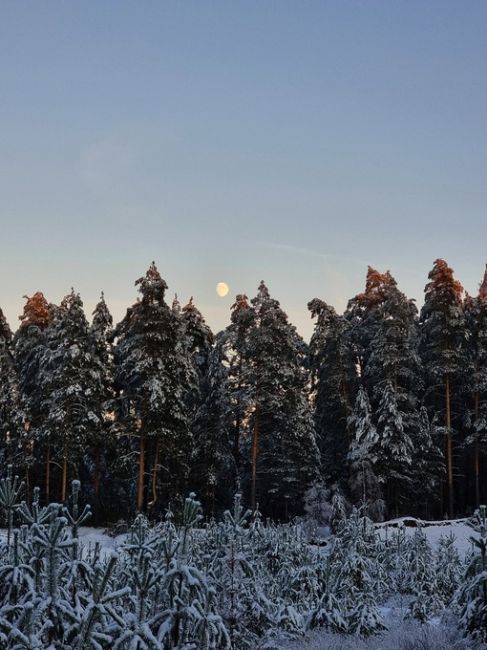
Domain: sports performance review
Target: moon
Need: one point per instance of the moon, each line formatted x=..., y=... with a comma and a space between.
x=222, y=289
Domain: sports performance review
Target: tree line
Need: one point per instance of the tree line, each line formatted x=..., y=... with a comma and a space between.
x=386, y=405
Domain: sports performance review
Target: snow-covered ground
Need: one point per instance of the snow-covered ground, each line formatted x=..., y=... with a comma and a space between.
x=433, y=530
x=404, y=634
x=401, y=635
x=89, y=537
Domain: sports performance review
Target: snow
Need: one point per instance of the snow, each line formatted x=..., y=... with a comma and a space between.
x=287, y=616
x=433, y=530
x=89, y=536
x=402, y=635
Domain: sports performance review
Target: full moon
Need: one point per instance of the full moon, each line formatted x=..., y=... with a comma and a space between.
x=222, y=289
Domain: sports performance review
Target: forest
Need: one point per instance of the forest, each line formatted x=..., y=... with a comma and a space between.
x=386, y=406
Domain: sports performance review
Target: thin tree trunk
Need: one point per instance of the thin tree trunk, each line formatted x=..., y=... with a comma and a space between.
x=64, y=481
x=27, y=485
x=344, y=391
x=236, y=441
x=449, y=451
x=477, y=473
x=476, y=460
x=346, y=410
x=212, y=500
x=97, y=472
x=96, y=482
x=140, y=485
x=154, y=475
x=48, y=472
x=255, y=448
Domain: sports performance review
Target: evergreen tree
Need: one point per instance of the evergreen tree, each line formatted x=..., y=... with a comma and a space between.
x=443, y=352
x=154, y=375
x=363, y=314
x=29, y=345
x=426, y=600
x=395, y=448
x=75, y=391
x=428, y=467
x=333, y=377
x=394, y=379
x=476, y=320
x=363, y=456
x=237, y=349
x=199, y=335
x=213, y=460
x=11, y=417
x=472, y=596
x=284, y=454
x=101, y=437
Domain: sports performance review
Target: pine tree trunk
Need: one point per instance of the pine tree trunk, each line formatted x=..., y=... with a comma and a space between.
x=346, y=409
x=96, y=482
x=97, y=472
x=346, y=412
x=477, y=473
x=154, y=475
x=27, y=485
x=236, y=441
x=476, y=460
x=255, y=448
x=48, y=472
x=140, y=485
x=64, y=481
x=449, y=450
x=212, y=500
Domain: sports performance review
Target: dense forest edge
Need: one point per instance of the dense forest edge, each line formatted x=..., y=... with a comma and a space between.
x=385, y=408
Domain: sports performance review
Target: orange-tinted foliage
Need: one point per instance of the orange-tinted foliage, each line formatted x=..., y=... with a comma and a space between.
x=375, y=286
x=241, y=302
x=36, y=311
x=441, y=276
x=483, y=287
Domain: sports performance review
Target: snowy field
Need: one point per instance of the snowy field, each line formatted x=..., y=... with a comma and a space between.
x=402, y=633
x=433, y=530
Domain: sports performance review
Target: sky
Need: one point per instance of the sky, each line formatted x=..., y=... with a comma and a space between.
x=291, y=141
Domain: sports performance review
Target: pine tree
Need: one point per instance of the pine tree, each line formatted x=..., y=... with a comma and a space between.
x=154, y=375
x=29, y=346
x=443, y=352
x=333, y=377
x=393, y=376
x=284, y=454
x=75, y=391
x=363, y=456
x=476, y=320
x=200, y=337
x=364, y=317
x=472, y=596
x=213, y=461
x=101, y=437
x=428, y=467
x=236, y=345
x=422, y=579
x=395, y=449
x=11, y=416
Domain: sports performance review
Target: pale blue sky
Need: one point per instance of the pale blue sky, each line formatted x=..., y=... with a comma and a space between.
x=291, y=141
